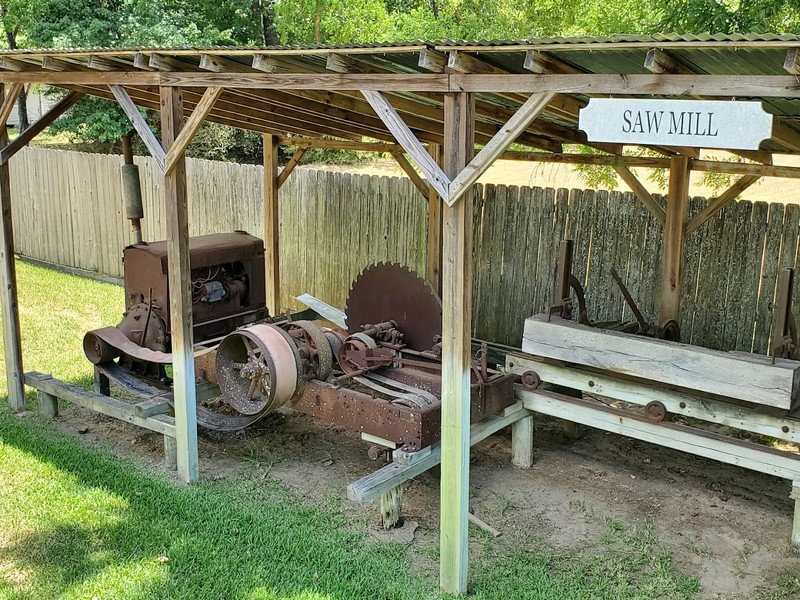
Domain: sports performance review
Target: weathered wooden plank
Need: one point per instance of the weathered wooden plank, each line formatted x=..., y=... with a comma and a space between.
x=139, y=124
x=12, y=335
x=180, y=292
x=696, y=406
x=736, y=282
x=741, y=453
x=769, y=275
x=745, y=377
x=405, y=468
x=271, y=225
x=191, y=126
x=457, y=269
x=99, y=403
x=748, y=304
x=674, y=236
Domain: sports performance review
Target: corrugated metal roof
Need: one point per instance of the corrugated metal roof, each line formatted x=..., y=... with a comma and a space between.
x=346, y=114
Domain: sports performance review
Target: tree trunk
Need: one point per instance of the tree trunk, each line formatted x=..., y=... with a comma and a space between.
x=435, y=9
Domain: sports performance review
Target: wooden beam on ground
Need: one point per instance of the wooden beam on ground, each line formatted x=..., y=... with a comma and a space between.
x=194, y=122
x=717, y=204
x=409, y=170
x=271, y=225
x=641, y=192
x=293, y=162
x=674, y=240
x=12, y=338
x=139, y=124
x=434, y=254
x=180, y=296
x=24, y=138
x=456, y=345
x=9, y=102
x=408, y=141
x=497, y=145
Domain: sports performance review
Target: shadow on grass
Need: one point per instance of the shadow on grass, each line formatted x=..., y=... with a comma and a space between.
x=83, y=524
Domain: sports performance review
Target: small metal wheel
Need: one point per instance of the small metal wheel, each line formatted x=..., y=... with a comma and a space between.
x=670, y=331
x=531, y=380
x=655, y=411
x=314, y=346
x=352, y=354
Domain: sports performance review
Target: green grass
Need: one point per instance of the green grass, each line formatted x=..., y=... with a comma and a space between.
x=76, y=522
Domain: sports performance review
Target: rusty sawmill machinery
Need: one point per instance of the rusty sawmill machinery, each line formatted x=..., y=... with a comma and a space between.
x=380, y=377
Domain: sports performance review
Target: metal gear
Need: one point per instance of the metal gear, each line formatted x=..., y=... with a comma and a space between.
x=391, y=292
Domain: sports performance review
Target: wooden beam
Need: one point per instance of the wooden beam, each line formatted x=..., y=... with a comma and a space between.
x=742, y=453
x=792, y=61
x=460, y=62
x=139, y=124
x=658, y=61
x=9, y=102
x=434, y=255
x=220, y=64
x=24, y=138
x=713, y=166
x=650, y=162
x=271, y=225
x=142, y=61
x=497, y=145
x=725, y=198
x=408, y=141
x=674, y=240
x=537, y=61
x=409, y=170
x=641, y=192
x=12, y=338
x=101, y=63
x=432, y=60
x=13, y=64
x=56, y=64
x=199, y=115
x=293, y=162
x=339, y=144
x=180, y=296
x=457, y=355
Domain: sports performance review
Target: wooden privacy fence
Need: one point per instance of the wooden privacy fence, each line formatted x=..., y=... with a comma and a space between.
x=68, y=209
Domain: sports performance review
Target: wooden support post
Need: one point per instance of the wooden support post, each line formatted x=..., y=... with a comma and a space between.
x=180, y=299
x=459, y=135
x=434, y=266
x=101, y=383
x=271, y=224
x=293, y=162
x=674, y=237
x=12, y=341
x=170, y=452
x=522, y=443
x=795, y=495
x=391, y=506
x=48, y=404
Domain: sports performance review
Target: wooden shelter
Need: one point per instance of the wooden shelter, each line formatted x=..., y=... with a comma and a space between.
x=453, y=109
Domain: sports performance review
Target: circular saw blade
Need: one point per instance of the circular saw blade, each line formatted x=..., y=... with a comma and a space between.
x=390, y=292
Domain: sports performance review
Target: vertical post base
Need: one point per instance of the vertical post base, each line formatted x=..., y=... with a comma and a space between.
x=101, y=383
x=171, y=453
x=795, y=495
x=522, y=443
x=48, y=405
x=391, y=507
x=573, y=431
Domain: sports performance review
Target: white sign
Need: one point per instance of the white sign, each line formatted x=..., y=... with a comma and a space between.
x=695, y=123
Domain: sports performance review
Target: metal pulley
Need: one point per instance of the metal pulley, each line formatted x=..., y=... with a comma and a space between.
x=259, y=369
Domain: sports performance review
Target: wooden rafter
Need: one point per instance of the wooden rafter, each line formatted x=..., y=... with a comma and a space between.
x=721, y=201
x=408, y=169
x=406, y=138
x=293, y=162
x=9, y=101
x=190, y=128
x=140, y=125
x=641, y=192
x=24, y=138
x=531, y=109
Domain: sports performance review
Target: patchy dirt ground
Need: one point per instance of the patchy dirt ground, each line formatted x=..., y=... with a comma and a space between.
x=727, y=526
